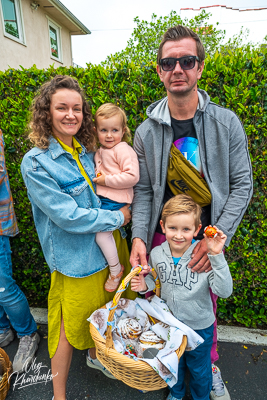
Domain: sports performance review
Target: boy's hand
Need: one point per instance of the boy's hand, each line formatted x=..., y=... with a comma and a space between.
x=138, y=284
x=215, y=244
x=146, y=269
x=101, y=179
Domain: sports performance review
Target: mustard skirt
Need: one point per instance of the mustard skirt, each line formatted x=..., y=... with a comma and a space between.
x=77, y=298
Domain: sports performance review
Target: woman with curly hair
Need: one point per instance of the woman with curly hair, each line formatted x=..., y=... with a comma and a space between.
x=58, y=173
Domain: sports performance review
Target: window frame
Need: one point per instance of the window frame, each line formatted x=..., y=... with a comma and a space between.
x=57, y=28
x=18, y=9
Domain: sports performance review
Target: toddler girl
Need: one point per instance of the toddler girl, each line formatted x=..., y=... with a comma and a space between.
x=117, y=171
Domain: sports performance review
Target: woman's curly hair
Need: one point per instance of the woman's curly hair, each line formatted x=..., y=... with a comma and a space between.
x=40, y=125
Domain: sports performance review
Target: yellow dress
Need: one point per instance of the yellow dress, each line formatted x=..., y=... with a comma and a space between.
x=77, y=298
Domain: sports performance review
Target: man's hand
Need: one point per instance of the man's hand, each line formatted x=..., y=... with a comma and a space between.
x=126, y=213
x=100, y=180
x=215, y=244
x=200, y=261
x=138, y=254
x=138, y=284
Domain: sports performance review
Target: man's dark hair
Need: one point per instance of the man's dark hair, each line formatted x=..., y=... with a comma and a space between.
x=180, y=32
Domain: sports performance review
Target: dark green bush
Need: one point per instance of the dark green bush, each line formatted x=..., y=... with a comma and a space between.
x=237, y=81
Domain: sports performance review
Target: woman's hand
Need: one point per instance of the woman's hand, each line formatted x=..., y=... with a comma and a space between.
x=138, y=284
x=126, y=213
x=100, y=180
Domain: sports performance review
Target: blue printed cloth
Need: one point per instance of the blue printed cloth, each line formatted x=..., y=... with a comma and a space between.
x=169, y=329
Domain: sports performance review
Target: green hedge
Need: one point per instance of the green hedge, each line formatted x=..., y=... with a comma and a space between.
x=237, y=81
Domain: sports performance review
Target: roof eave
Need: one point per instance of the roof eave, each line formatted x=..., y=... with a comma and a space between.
x=70, y=16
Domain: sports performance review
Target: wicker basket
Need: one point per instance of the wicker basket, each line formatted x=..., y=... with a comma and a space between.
x=6, y=370
x=137, y=374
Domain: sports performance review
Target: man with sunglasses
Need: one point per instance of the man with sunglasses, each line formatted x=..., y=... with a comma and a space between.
x=211, y=144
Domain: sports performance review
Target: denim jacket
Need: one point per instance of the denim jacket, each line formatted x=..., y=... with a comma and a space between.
x=66, y=211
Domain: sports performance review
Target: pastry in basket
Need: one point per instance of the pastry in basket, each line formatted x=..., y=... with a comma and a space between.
x=129, y=328
x=150, y=339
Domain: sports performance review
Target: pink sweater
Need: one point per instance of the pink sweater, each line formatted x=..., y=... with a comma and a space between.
x=122, y=168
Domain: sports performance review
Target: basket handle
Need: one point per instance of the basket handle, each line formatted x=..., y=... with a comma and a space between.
x=123, y=286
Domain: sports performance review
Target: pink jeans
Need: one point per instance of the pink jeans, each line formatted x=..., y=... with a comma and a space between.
x=157, y=241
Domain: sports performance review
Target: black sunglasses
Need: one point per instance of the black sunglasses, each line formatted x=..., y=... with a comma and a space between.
x=186, y=62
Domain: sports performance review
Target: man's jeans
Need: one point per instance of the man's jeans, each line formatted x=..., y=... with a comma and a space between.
x=12, y=301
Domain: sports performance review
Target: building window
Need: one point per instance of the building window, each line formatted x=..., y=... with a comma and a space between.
x=12, y=19
x=55, y=41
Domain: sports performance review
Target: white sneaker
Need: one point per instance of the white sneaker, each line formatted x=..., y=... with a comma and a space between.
x=6, y=337
x=94, y=363
x=170, y=397
x=219, y=390
x=28, y=346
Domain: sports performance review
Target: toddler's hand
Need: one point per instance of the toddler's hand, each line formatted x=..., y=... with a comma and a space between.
x=100, y=180
x=138, y=284
x=215, y=244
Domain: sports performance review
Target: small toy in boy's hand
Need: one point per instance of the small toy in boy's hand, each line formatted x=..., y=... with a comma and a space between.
x=210, y=231
x=98, y=174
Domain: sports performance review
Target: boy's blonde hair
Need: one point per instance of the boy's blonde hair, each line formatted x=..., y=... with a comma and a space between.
x=108, y=110
x=181, y=204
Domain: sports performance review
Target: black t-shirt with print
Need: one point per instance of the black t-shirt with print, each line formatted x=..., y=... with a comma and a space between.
x=185, y=139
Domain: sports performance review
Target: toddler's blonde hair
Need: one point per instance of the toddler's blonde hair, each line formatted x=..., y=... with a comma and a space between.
x=108, y=110
x=181, y=204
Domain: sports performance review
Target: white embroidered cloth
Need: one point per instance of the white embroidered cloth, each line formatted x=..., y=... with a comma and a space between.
x=170, y=329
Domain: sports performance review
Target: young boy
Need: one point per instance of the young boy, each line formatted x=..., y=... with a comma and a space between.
x=186, y=292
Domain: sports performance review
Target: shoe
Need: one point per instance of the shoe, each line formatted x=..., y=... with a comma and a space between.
x=113, y=282
x=170, y=397
x=54, y=397
x=219, y=390
x=6, y=337
x=28, y=346
x=94, y=363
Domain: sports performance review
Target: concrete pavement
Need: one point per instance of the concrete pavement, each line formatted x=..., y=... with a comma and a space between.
x=243, y=366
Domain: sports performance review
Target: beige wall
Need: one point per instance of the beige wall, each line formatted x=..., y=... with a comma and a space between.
x=37, y=48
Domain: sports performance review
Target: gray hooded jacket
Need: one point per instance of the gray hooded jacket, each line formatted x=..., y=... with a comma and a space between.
x=186, y=292
x=225, y=161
